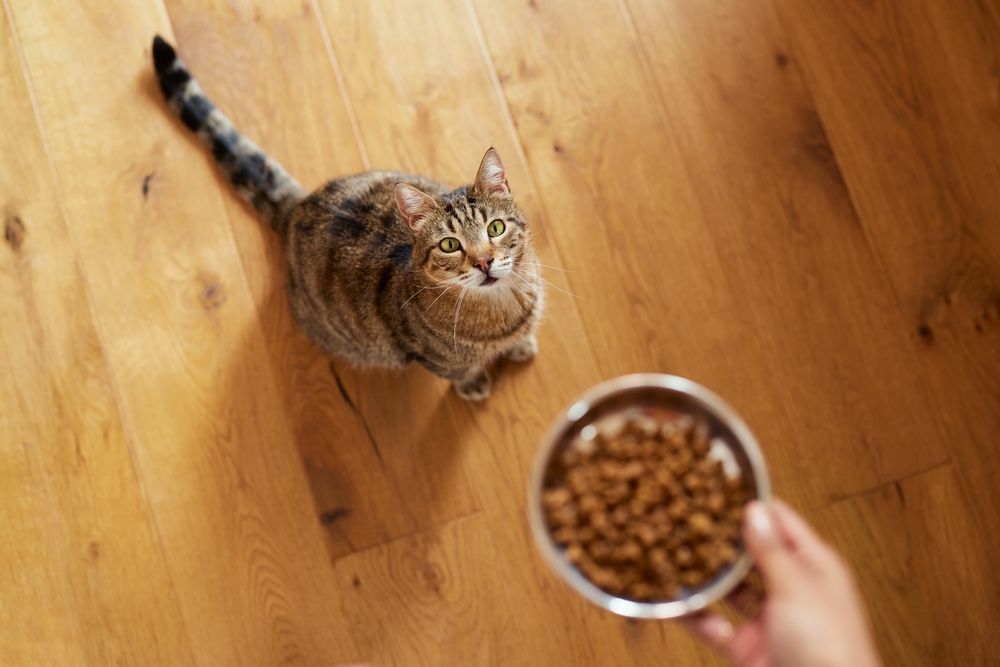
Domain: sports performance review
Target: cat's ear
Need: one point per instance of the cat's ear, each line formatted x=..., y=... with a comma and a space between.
x=415, y=206
x=492, y=177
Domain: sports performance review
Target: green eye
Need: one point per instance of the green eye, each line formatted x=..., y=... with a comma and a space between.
x=450, y=244
x=496, y=228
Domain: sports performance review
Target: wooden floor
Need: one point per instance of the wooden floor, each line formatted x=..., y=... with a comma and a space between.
x=795, y=204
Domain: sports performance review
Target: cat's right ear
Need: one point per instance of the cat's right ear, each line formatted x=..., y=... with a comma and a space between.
x=415, y=206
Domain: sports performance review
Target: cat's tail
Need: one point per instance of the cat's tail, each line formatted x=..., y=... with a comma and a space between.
x=256, y=177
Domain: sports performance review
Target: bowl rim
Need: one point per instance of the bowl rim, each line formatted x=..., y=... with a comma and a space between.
x=581, y=407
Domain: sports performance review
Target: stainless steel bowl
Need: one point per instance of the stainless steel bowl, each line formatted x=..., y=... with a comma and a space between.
x=680, y=395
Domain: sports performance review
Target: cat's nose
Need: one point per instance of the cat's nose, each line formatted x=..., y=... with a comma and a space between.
x=483, y=264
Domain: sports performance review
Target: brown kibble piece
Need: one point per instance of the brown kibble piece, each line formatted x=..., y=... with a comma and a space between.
x=647, y=534
x=693, y=481
x=649, y=491
x=630, y=551
x=621, y=515
x=632, y=470
x=680, y=462
x=606, y=578
x=601, y=550
x=691, y=578
x=679, y=509
x=565, y=535
x=617, y=493
x=715, y=503
x=684, y=557
x=591, y=502
x=574, y=553
x=567, y=515
x=640, y=590
x=700, y=524
x=638, y=507
x=661, y=518
x=581, y=480
x=556, y=498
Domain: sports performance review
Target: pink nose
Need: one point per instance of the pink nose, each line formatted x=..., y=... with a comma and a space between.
x=483, y=264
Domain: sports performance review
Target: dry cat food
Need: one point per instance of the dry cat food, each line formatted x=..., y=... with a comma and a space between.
x=645, y=504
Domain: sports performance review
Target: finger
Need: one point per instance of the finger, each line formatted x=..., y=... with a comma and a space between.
x=799, y=535
x=774, y=560
x=747, y=600
x=745, y=644
x=714, y=629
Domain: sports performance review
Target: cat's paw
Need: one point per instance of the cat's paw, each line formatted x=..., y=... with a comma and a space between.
x=525, y=350
x=476, y=389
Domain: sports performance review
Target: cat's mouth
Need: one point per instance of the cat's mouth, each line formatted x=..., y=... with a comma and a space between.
x=488, y=281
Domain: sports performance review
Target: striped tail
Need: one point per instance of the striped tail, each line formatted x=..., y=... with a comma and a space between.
x=256, y=177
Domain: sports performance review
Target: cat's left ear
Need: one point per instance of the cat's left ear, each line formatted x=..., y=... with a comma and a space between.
x=492, y=177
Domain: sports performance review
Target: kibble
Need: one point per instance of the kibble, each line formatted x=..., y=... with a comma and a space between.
x=641, y=508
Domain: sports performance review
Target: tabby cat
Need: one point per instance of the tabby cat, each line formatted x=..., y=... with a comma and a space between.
x=386, y=268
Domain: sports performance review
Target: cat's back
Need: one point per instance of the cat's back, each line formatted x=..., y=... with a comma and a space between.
x=349, y=251
x=346, y=211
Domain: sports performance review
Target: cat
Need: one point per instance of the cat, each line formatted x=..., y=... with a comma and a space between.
x=387, y=268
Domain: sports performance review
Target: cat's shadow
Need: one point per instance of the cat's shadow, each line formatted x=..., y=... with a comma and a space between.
x=382, y=449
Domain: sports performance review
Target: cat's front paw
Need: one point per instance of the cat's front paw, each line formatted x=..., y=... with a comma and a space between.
x=476, y=389
x=524, y=350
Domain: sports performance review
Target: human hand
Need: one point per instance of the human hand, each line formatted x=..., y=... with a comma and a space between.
x=813, y=615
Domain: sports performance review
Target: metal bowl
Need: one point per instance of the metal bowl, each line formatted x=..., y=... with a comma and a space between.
x=652, y=390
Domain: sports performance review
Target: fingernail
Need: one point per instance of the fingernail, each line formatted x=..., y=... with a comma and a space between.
x=760, y=521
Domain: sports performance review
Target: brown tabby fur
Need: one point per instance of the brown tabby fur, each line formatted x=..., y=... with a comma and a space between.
x=368, y=278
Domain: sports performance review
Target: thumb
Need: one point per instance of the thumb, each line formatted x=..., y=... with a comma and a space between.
x=772, y=556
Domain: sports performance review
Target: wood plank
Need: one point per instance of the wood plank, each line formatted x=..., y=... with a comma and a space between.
x=83, y=579
x=920, y=561
x=969, y=34
x=606, y=158
x=433, y=594
x=408, y=114
x=782, y=220
x=247, y=55
x=928, y=197
x=208, y=431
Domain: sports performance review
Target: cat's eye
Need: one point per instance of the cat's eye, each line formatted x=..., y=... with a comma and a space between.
x=496, y=228
x=450, y=244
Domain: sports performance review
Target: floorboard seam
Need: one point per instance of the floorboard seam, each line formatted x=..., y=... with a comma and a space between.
x=836, y=500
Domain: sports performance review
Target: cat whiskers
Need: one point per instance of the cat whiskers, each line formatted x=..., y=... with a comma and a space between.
x=458, y=309
x=556, y=268
x=419, y=291
x=517, y=287
x=528, y=291
x=439, y=297
x=451, y=282
x=550, y=284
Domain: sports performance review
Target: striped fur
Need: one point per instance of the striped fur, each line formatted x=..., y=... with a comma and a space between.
x=256, y=177
x=371, y=278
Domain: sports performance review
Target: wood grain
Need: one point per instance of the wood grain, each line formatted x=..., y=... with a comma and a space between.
x=901, y=540
x=181, y=340
x=925, y=189
x=790, y=239
x=795, y=205
x=441, y=588
x=83, y=578
x=276, y=51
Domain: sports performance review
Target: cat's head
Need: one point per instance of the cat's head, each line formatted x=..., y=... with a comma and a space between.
x=474, y=238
